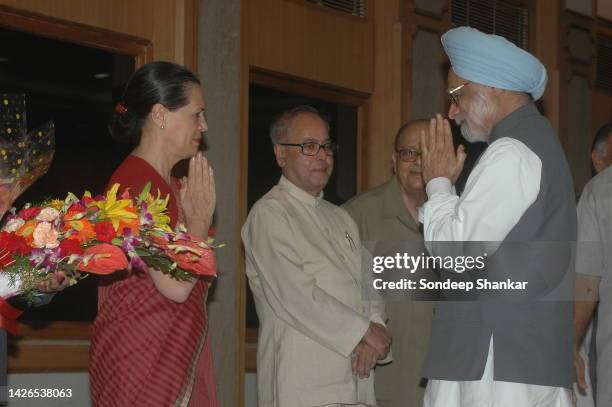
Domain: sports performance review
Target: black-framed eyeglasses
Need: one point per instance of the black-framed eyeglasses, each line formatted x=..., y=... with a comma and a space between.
x=312, y=148
x=408, y=155
x=454, y=93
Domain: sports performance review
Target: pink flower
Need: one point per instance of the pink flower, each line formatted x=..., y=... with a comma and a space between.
x=45, y=236
x=48, y=215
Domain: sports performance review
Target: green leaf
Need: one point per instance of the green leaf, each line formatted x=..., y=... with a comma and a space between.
x=142, y=252
x=145, y=192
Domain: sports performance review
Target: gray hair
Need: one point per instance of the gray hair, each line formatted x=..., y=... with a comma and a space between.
x=280, y=125
x=600, y=142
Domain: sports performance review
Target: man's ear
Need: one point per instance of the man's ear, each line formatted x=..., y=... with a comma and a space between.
x=393, y=161
x=598, y=160
x=280, y=154
x=158, y=115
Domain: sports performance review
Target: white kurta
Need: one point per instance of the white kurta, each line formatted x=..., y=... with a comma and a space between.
x=501, y=187
x=303, y=262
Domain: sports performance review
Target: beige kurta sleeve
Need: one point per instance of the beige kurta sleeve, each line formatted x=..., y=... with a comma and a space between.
x=375, y=305
x=272, y=250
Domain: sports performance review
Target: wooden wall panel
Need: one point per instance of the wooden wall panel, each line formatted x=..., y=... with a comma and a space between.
x=386, y=99
x=604, y=9
x=310, y=42
x=579, y=130
x=168, y=24
x=577, y=67
x=546, y=31
x=602, y=109
x=428, y=75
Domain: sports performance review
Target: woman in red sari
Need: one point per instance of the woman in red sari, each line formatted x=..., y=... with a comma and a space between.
x=150, y=343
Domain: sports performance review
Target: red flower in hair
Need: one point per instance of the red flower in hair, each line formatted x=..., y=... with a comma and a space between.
x=120, y=108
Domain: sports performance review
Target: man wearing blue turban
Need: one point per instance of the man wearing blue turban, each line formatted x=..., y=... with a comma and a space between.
x=500, y=345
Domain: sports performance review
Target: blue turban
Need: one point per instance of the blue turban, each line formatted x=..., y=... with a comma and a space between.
x=492, y=60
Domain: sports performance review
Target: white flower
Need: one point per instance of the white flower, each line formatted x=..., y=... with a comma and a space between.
x=13, y=225
x=45, y=236
x=48, y=214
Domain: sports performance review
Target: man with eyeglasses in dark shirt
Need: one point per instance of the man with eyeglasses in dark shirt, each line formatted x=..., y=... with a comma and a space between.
x=387, y=217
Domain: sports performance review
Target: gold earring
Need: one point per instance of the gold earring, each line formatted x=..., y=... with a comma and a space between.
x=163, y=125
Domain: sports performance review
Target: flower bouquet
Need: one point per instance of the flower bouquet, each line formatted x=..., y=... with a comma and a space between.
x=99, y=235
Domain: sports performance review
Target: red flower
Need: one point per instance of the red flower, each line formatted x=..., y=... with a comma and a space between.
x=3, y=239
x=87, y=200
x=105, y=232
x=106, y=259
x=189, y=256
x=74, y=209
x=29, y=213
x=69, y=247
x=14, y=244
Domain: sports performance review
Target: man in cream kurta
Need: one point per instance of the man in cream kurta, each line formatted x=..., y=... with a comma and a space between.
x=318, y=339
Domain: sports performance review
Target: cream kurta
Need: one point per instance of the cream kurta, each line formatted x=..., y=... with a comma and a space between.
x=303, y=261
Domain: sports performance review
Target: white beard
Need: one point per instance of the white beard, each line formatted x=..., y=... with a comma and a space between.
x=480, y=115
x=470, y=136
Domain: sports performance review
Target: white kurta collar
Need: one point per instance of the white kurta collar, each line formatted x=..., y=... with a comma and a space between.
x=299, y=193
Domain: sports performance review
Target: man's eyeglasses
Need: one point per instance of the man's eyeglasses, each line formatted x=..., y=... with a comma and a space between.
x=408, y=155
x=312, y=148
x=453, y=94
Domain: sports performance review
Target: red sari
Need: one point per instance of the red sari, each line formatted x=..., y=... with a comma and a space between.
x=147, y=350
